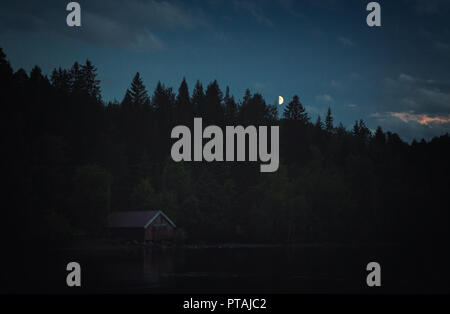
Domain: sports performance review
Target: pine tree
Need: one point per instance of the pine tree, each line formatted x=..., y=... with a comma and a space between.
x=6, y=71
x=38, y=85
x=295, y=111
x=76, y=78
x=183, y=107
x=127, y=100
x=198, y=99
x=164, y=103
x=258, y=108
x=60, y=79
x=364, y=130
x=6, y=75
x=36, y=77
x=329, y=121
x=90, y=83
x=380, y=137
x=245, y=110
x=341, y=131
x=230, y=108
x=213, y=99
x=138, y=93
x=254, y=109
x=272, y=113
x=360, y=129
x=319, y=123
x=20, y=80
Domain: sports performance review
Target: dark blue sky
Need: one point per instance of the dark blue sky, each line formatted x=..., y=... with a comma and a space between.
x=395, y=76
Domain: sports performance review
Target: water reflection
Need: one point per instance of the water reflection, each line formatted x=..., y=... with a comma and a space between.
x=323, y=269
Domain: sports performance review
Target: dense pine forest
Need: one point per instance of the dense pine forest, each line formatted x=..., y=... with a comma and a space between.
x=70, y=158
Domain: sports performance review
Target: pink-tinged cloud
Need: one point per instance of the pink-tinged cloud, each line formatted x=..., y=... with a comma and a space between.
x=423, y=118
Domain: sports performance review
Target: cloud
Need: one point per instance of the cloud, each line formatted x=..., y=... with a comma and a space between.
x=255, y=9
x=335, y=84
x=414, y=107
x=413, y=126
x=325, y=98
x=423, y=96
x=289, y=6
x=133, y=24
x=423, y=119
x=110, y=33
x=346, y=42
x=406, y=78
x=443, y=47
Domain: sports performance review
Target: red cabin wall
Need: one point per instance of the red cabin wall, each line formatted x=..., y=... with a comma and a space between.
x=159, y=230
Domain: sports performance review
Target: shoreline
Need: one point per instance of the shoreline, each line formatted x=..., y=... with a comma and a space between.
x=110, y=245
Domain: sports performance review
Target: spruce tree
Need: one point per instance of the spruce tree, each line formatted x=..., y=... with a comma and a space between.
x=319, y=123
x=164, y=103
x=329, y=121
x=380, y=137
x=60, y=79
x=295, y=111
x=183, y=107
x=76, y=79
x=6, y=71
x=90, y=83
x=127, y=100
x=138, y=93
x=230, y=107
x=198, y=99
x=244, y=111
x=213, y=99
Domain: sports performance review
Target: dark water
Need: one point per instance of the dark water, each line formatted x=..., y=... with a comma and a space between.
x=299, y=269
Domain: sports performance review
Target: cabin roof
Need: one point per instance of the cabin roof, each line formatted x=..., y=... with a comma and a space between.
x=135, y=219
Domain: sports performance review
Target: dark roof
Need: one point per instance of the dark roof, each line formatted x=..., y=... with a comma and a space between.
x=135, y=219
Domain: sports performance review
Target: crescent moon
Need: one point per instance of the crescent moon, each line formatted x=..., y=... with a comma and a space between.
x=280, y=100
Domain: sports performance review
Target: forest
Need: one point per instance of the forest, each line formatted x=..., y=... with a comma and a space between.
x=71, y=158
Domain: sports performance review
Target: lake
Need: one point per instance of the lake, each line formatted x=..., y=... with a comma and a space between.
x=239, y=269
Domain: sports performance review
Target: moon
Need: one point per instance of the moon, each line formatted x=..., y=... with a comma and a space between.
x=280, y=100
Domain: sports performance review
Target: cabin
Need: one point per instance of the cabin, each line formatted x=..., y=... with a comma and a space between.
x=151, y=225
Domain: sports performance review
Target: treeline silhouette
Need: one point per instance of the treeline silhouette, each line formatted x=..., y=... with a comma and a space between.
x=70, y=159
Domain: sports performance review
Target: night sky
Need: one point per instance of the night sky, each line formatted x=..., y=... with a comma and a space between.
x=396, y=76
